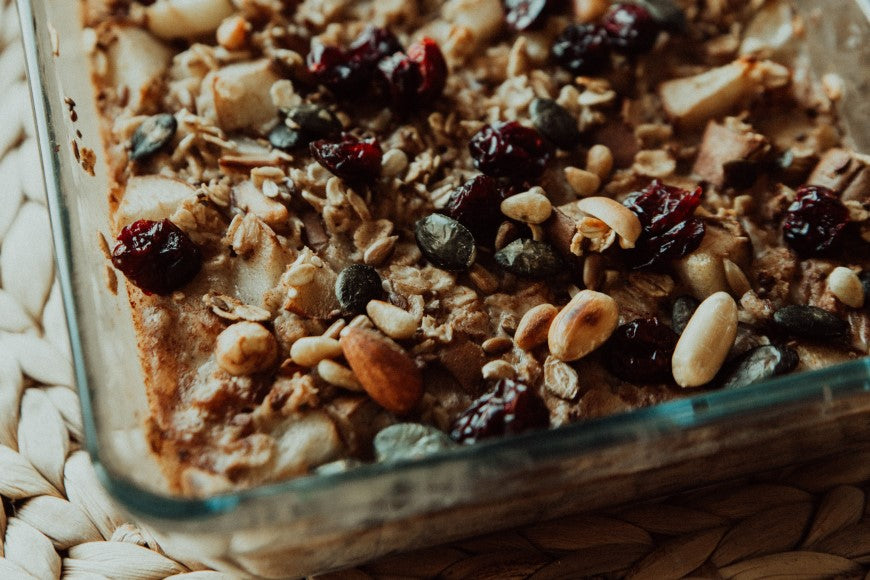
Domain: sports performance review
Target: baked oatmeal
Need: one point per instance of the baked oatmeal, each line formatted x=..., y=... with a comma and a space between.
x=357, y=231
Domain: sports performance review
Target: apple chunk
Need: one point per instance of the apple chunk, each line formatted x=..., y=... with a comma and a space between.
x=693, y=100
x=135, y=61
x=151, y=197
x=237, y=95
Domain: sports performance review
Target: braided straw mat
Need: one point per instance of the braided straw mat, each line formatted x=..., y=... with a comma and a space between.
x=56, y=521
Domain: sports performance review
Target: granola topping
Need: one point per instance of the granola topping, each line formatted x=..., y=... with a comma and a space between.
x=464, y=217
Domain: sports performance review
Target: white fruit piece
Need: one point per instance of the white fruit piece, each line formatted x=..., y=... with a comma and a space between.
x=237, y=95
x=135, y=61
x=693, y=100
x=151, y=197
x=187, y=18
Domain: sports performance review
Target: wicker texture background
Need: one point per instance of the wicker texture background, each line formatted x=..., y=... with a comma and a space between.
x=56, y=521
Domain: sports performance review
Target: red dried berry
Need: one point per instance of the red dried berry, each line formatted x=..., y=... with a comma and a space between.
x=630, y=28
x=346, y=72
x=416, y=77
x=511, y=408
x=509, y=150
x=433, y=67
x=373, y=45
x=582, y=49
x=815, y=223
x=476, y=204
x=524, y=14
x=669, y=230
x=641, y=351
x=157, y=257
x=402, y=80
x=350, y=158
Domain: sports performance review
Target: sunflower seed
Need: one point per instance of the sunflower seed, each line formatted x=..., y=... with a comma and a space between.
x=760, y=364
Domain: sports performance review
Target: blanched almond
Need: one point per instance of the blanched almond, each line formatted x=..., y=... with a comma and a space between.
x=534, y=325
x=583, y=325
x=619, y=218
x=384, y=369
x=705, y=342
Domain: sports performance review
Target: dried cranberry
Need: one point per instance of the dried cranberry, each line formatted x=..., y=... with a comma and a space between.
x=669, y=230
x=373, y=45
x=815, y=223
x=345, y=72
x=332, y=68
x=509, y=150
x=524, y=14
x=640, y=351
x=630, y=28
x=157, y=257
x=582, y=49
x=350, y=158
x=512, y=407
x=402, y=78
x=433, y=67
x=476, y=204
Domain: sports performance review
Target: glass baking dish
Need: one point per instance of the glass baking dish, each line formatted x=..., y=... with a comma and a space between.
x=328, y=521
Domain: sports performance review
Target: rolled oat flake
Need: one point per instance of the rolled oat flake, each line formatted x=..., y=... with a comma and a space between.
x=152, y=135
x=810, y=322
x=445, y=242
x=409, y=440
x=529, y=259
x=356, y=286
x=759, y=364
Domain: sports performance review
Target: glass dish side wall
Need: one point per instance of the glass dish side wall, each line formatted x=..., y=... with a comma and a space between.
x=323, y=522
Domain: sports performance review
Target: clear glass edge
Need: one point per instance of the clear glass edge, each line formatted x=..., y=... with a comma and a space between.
x=696, y=411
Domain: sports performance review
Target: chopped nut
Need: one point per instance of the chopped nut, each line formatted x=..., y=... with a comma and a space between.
x=498, y=369
x=392, y=320
x=560, y=379
x=654, y=163
x=846, y=286
x=393, y=163
x=531, y=206
x=338, y=375
x=377, y=253
x=618, y=217
x=599, y=161
x=245, y=348
x=583, y=182
x=737, y=280
x=232, y=34
x=311, y=350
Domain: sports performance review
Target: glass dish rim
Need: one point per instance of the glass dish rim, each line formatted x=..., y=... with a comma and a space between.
x=701, y=409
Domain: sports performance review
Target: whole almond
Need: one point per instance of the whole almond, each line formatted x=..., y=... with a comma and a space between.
x=706, y=340
x=583, y=325
x=384, y=370
x=534, y=325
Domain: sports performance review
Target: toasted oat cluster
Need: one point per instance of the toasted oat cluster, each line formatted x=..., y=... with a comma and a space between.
x=364, y=230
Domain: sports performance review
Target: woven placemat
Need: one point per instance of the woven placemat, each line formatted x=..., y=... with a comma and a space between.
x=57, y=522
